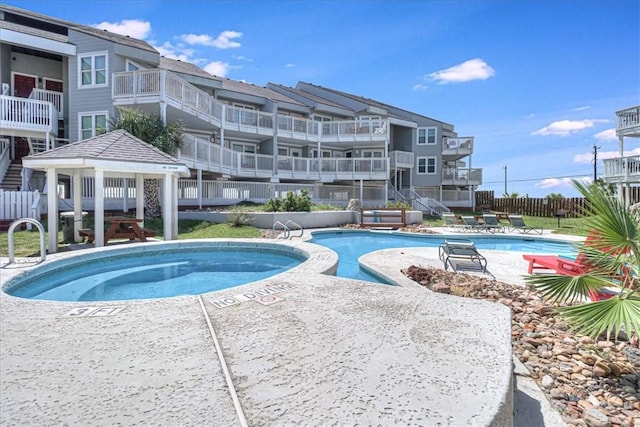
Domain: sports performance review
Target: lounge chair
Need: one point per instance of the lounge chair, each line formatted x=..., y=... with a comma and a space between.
x=461, y=255
x=566, y=267
x=516, y=223
x=450, y=221
x=471, y=224
x=491, y=223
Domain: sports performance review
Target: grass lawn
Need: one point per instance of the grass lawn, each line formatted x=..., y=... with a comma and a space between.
x=27, y=243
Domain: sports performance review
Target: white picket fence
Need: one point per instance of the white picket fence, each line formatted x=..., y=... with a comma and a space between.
x=19, y=204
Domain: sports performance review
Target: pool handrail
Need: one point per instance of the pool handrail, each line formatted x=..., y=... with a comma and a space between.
x=284, y=228
x=11, y=244
x=298, y=226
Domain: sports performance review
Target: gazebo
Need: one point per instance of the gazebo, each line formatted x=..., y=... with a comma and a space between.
x=114, y=154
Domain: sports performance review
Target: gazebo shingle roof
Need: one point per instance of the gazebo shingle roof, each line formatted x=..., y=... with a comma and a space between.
x=117, y=145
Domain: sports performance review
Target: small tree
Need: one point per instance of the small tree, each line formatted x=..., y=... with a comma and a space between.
x=554, y=196
x=510, y=196
x=151, y=129
x=613, y=261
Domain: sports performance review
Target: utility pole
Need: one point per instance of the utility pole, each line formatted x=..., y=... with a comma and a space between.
x=595, y=162
x=505, y=181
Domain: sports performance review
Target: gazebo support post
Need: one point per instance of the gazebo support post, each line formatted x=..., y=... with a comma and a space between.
x=52, y=209
x=77, y=203
x=167, y=211
x=140, y=197
x=99, y=208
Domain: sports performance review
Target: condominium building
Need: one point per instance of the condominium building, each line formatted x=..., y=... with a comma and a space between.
x=64, y=82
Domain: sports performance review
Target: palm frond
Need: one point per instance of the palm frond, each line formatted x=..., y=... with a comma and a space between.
x=612, y=316
x=569, y=289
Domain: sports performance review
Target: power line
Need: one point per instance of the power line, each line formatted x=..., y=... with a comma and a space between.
x=534, y=179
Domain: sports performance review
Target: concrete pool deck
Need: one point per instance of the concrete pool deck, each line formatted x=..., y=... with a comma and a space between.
x=324, y=350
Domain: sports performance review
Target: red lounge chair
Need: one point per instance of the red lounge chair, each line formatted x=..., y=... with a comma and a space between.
x=568, y=267
x=556, y=263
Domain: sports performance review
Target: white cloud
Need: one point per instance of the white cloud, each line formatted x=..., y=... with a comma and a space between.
x=419, y=87
x=127, y=27
x=473, y=69
x=566, y=127
x=289, y=65
x=583, y=108
x=606, y=135
x=169, y=50
x=242, y=58
x=560, y=183
x=223, y=41
x=217, y=68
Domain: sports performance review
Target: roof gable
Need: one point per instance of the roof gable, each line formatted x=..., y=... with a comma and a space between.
x=117, y=145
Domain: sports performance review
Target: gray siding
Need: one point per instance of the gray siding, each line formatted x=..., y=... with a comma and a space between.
x=89, y=99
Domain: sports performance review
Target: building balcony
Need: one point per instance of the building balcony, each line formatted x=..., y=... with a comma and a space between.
x=134, y=88
x=622, y=170
x=462, y=176
x=202, y=154
x=25, y=117
x=628, y=122
x=456, y=148
x=401, y=159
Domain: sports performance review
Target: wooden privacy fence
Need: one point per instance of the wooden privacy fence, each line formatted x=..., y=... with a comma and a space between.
x=569, y=207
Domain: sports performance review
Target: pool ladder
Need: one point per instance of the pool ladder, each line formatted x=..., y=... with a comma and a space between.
x=11, y=244
x=287, y=227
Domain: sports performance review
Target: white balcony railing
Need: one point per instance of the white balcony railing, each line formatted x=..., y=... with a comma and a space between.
x=199, y=152
x=401, y=159
x=51, y=96
x=461, y=176
x=457, y=146
x=23, y=114
x=628, y=121
x=136, y=86
x=624, y=169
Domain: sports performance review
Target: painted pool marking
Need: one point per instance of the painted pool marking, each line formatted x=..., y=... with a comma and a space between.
x=253, y=296
x=269, y=299
x=95, y=311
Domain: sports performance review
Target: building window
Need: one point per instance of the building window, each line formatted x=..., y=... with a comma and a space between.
x=427, y=136
x=132, y=66
x=92, y=124
x=426, y=165
x=92, y=70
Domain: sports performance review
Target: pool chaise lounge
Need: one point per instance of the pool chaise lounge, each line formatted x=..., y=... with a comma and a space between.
x=516, y=223
x=461, y=254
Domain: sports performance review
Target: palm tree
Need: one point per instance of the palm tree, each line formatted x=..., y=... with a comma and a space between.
x=151, y=129
x=613, y=261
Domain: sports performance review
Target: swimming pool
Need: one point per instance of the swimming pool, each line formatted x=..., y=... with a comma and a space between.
x=159, y=271
x=351, y=244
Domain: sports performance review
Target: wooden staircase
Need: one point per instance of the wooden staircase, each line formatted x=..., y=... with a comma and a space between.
x=12, y=181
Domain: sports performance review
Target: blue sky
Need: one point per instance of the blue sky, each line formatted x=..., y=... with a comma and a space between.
x=537, y=83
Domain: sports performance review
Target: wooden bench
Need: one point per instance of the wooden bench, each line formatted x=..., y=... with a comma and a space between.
x=88, y=233
x=383, y=218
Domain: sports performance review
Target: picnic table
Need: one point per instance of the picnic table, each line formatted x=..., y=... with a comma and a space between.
x=120, y=227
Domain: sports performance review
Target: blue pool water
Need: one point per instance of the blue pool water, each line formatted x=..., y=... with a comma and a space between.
x=155, y=274
x=351, y=244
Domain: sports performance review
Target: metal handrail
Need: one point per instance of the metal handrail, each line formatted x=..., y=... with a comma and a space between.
x=286, y=224
x=12, y=227
x=284, y=228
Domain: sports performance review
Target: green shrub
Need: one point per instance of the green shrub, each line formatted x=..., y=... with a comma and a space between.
x=291, y=203
x=398, y=205
x=240, y=219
